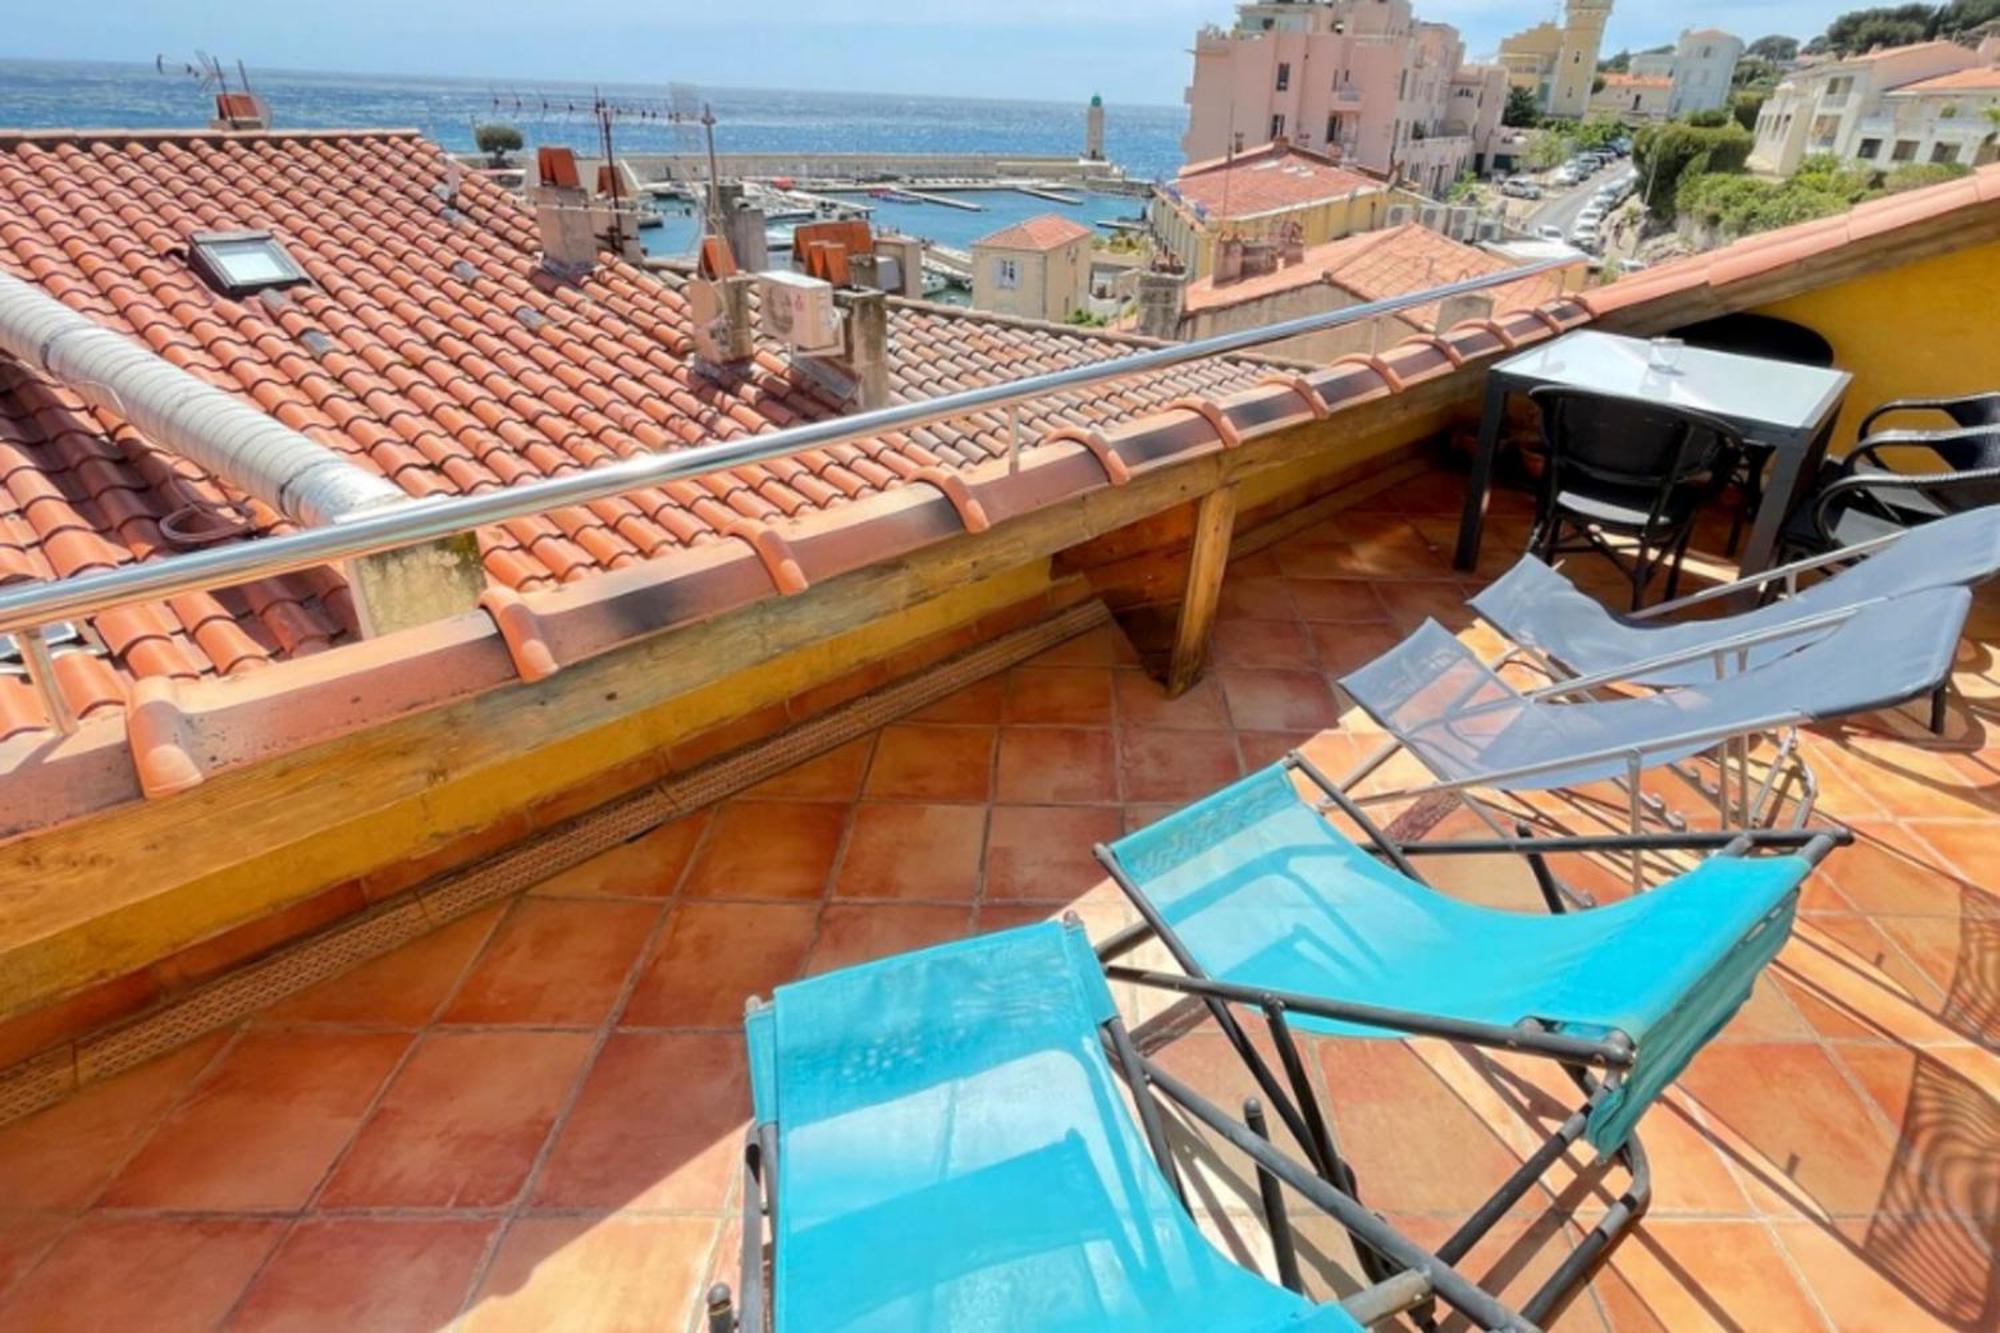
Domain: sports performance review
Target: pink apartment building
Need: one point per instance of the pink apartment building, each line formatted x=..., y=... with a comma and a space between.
x=1360, y=80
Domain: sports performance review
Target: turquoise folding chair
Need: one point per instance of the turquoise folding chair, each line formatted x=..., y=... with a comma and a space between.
x=940, y=1144
x=1264, y=904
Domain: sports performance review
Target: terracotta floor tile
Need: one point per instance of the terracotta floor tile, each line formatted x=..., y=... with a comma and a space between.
x=1054, y=766
x=376, y=1274
x=1256, y=597
x=1415, y=1147
x=62, y=1157
x=163, y=1275
x=1512, y=1261
x=594, y=1275
x=462, y=1122
x=1143, y=702
x=264, y=1126
x=554, y=964
x=1175, y=766
x=1104, y=646
x=833, y=776
x=1261, y=643
x=932, y=764
x=659, y=1125
x=922, y=852
x=1261, y=749
x=403, y=989
x=1905, y=1275
x=24, y=1239
x=1337, y=601
x=1876, y=874
x=649, y=866
x=1043, y=853
x=768, y=849
x=979, y=703
x=714, y=956
x=1972, y=851
x=1677, y=1275
x=1817, y=1146
x=1279, y=700
x=859, y=932
x=1948, y=1127
x=1345, y=648
x=1410, y=603
x=1059, y=696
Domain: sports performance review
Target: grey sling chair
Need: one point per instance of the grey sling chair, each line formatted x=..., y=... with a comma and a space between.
x=1472, y=730
x=1565, y=632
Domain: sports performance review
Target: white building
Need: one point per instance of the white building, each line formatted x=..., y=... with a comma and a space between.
x=1939, y=121
x=1822, y=108
x=1704, y=70
x=1361, y=81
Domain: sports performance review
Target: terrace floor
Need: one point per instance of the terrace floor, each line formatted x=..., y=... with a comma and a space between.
x=530, y=1119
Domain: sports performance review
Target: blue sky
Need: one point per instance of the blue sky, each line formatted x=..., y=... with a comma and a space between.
x=1130, y=50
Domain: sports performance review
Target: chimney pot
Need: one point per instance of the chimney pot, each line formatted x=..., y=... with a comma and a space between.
x=1162, y=297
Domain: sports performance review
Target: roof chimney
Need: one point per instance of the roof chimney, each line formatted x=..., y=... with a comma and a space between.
x=900, y=264
x=867, y=358
x=1162, y=296
x=564, y=216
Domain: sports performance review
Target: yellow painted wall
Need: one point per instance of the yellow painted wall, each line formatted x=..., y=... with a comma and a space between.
x=1924, y=329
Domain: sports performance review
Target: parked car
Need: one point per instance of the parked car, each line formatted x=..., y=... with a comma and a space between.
x=1584, y=236
x=1519, y=188
x=1633, y=266
x=1549, y=233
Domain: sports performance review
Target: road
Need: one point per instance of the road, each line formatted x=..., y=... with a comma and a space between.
x=1562, y=210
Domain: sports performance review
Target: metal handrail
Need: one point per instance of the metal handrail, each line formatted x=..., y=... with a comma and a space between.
x=27, y=607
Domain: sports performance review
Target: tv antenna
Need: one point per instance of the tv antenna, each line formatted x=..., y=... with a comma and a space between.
x=207, y=73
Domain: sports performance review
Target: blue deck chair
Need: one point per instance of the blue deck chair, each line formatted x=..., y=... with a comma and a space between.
x=940, y=1144
x=1545, y=615
x=1262, y=903
x=1472, y=729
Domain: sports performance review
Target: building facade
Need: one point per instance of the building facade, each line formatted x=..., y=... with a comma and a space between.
x=1821, y=109
x=1632, y=98
x=1275, y=193
x=1038, y=269
x=1704, y=70
x=1362, y=81
x=1942, y=121
x=1559, y=64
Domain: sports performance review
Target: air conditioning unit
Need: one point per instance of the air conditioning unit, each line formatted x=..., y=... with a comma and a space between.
x=799, y=312
x=1490, y=230
x=1433, y=216
x=1401, y=215
x=1460, y=227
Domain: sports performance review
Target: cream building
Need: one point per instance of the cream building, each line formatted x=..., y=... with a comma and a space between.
x=1823, y=108
x=1559, y=65
x=1275, y=193
x=1038, y=269
x=1632, y=98
x=1941, y=121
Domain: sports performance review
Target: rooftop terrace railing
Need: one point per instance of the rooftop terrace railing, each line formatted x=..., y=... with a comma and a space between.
x=25, y=610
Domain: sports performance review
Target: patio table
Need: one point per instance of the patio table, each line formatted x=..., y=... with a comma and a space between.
x=1784, y=407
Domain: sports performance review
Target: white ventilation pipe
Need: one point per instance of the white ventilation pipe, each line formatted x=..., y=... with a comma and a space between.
x=209, y=427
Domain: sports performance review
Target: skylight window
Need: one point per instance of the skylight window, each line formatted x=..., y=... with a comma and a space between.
x=237, y=263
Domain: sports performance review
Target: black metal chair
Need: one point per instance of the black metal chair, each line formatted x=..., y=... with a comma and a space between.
x=1624, y=469
x=1775, y=340
x=1896, y=479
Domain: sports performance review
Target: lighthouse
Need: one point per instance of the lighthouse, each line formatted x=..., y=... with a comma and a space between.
x=1093, y=131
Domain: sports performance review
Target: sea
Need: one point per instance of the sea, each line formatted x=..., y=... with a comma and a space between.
x=1145, y=140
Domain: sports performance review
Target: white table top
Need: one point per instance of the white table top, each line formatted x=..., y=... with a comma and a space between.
x=1746, y=390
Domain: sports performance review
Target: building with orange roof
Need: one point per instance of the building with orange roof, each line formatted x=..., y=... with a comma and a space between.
x=1840, y=106
x=1037, y=269
x=1275, y=191
x=1371, y=266
x=1633, y=98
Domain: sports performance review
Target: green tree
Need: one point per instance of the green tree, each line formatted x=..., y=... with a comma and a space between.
x=1863, y=30
x=1709, y=118
x=1618, y=64
x=1965, y=15
x=1775, y=48
x=1599, y=131
x=497, y=141
x=1665, y=155
x=1522, y=111
x=1745, y=106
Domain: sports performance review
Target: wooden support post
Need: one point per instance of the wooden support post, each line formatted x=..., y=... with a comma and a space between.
x=1214, y=521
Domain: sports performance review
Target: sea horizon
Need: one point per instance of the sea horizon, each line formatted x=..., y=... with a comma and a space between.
x=39, y=93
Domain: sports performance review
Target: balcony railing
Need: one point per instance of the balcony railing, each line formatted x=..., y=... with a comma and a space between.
x=25, y=610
